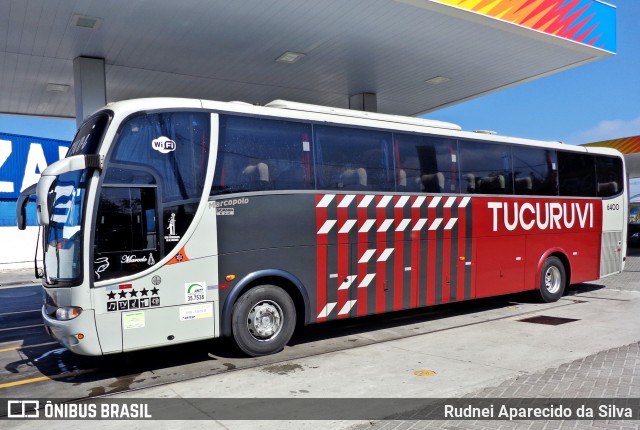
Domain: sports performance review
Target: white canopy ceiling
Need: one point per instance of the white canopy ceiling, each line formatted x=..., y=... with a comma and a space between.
x=227, y=50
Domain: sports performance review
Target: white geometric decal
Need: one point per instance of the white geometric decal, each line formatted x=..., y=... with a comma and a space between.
x=384, y=201
x=421, y=222
x=435, y=224
x=385, y=254
x=450, y=202
x=347, y=307
x=403, y=201
x=451, y=223
x=347, y=226
x=464, y=202
x=367, y=256
x=419, y=201
x=327, y=226
x=324, y=202
x=346, y=201
x=367, y=225
x=403, y=225
x=385, y=225
x=366, y=200
x=327, y=310
x=347, y=282
x=367, y=280
x=434, y=203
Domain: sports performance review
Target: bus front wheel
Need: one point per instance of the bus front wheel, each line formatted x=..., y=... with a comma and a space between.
x=552, y=280
x=263, y=320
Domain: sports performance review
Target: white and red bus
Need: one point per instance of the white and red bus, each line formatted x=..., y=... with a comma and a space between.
x=173, y=220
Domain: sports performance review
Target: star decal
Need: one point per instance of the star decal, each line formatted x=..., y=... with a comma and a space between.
x=133, y=293
x=144, y=291
x=123, y=294
x=154, y=291
x=111, y=295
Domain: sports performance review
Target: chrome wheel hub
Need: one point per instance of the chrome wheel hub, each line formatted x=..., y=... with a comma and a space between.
x=264, y=320
x=552, y=279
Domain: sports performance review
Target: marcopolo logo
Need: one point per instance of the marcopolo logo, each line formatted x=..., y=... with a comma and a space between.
x=163, y=144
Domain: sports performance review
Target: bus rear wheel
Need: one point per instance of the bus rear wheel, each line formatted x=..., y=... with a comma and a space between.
x=263, y=320
x=553, y=279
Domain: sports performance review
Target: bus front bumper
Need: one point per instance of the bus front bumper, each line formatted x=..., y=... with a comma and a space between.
x=79, y=335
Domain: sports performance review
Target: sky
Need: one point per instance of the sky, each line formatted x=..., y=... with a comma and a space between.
x=594, y=102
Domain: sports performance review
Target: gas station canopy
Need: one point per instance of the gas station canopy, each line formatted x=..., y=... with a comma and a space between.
x=396, y=56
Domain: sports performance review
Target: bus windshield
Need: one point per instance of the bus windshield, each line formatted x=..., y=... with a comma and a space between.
x=62, y=239
x=63, y=235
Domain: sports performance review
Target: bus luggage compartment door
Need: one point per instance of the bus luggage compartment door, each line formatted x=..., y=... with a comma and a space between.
x=499, y=265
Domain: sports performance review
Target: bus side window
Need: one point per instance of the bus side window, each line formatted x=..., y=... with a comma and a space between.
x=577, y=174
x=535, y=171
x=609, y=176
x=256, y=154
x=426, y=164
x=353, y=159
x=486, y=168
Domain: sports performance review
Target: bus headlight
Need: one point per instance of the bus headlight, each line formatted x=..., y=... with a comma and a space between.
x=68, y=313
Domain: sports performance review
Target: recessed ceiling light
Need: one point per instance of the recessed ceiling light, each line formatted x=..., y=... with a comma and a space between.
x=88, y=22
x=438, y=80
x=57, y=88
x=290, y=57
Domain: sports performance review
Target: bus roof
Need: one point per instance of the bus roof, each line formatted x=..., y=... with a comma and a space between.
x=303, y=111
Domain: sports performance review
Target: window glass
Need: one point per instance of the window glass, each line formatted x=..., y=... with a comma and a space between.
x=90, y=135
x=609, y=174
x=152, y=186
x=485, y=168
x=126, y=232
x=534, y=171
x=426, y=164
x=262, y=154
x=577, y=174
x=174, y=144
x=353, y=159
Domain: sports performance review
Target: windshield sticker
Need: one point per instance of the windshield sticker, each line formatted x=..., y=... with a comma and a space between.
x=101, y=264
x=163, y=145
x=195, y=292
x=172, y=237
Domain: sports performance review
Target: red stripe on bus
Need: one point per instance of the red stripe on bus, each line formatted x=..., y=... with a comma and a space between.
x=446, y=257
x=363, y=268
x=398, y=271
x=462, y=226
x=415, y=254
x=431, y=255
x=321, y=260
x=343, y=258
x=381, y=266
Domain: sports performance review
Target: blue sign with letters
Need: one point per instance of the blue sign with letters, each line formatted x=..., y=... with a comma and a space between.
x=22, y=160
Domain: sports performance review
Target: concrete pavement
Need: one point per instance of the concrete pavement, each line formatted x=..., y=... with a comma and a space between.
x=478, y=354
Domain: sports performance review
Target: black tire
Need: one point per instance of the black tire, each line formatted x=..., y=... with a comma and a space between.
x=263, y=320
x=553, y=279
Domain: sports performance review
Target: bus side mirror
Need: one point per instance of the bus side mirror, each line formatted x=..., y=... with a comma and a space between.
x=21, y=206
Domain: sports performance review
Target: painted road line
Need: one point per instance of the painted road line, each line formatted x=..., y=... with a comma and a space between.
x=22, y=327
x=21, y=347
x=20, y=312
x=45, y=378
